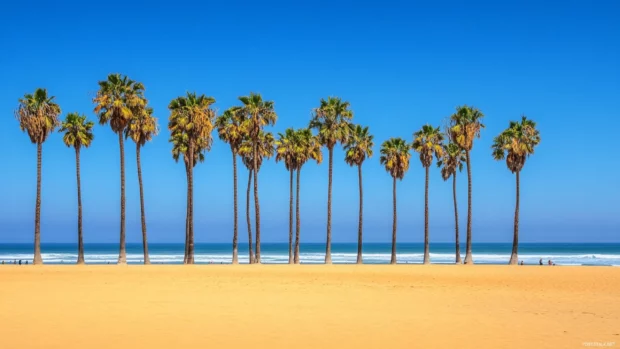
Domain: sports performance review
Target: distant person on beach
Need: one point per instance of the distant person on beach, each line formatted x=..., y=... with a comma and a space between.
x=20, y=262
x=549, y=262
x=521, y=262
x=2, y=262
x=540, y=262
x=26, y=262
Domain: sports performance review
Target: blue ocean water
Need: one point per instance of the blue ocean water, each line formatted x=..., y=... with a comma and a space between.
x=373, y=253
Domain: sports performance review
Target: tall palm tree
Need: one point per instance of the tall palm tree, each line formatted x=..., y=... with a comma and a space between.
x=179, y=148
x=357, y=149
x=452, y=160
x=464, y=127
x=285, y=152
x=516, y=144
x=331, y=120
x=141, y=129
x=258, y=114
x=191, y=120
x=38, y=116
x=116, y=98
x=427, y=141
x=307, y=147
x=264, y=149
x=229, y=129
x=78, y=133
x=395, y=157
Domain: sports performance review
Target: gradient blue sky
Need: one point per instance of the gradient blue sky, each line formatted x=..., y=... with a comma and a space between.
x=400, y=64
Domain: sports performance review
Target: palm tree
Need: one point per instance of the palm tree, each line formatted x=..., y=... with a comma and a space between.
x=116, y=98
x=180, y=147
x=357, y=149
x=78, y=133
x=453, y=158
x=306, y=147
x=229, y=129
x=141, y=128
x=427, y=141
x=191, y=121
x=331, y=120
x=257, y=114
x=38, y=116
x=285, y=152
x=516, y=144
x=395, y=157
x=464, y=127
x=264, y=149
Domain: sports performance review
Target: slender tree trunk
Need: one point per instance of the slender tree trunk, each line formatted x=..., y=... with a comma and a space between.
x=235, y=256
x=290, y=221
x=328, y=244
x=514, y=257
x=297, y=218
x=190, y=245
x=256, y=203
x=37, y=214
x=122, y=256
x=468, y=256
x=247, y=216
x=145, y=246
x=359, y=226
x=80, y=259
x=393, y=259
x=427, y=258
x=456, y=220
x=186, y=213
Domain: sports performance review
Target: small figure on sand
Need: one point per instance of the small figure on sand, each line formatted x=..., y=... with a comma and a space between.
x=26, y=262
x=540, y=262
x=521, y=262
x=20, y=262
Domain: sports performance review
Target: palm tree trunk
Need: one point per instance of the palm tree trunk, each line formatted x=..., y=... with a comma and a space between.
x=456, y=220
x=37, y=214
x=393, y=259
x=235, y=256
x=297, y=218
x=359, y=226
x=145, y=246
x=514, y=257
x=247, y=216
x=290, y=221
x=186, y=213
x=122, y=256
x=468, y=256
x=80, y=259
x=190, y=244
x=328, y=244
x=427, y=258
x=256, y=204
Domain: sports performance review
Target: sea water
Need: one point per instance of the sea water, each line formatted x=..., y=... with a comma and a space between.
x=314, y=253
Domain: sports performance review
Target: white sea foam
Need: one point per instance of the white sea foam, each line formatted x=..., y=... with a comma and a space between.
x=318, y=258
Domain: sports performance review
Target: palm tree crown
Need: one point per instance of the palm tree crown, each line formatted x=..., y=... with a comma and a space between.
x=306, y=147
x=428, y=141
x=193, y=116
x=265, y=149
x=256, y=113
x=116, y=98
x=358, y=146
x=516, y=143
x=78, y=131
x=331, y=120
x=395, y=157
x=451, y=161
x=285, y=149
x=229, y=128
x=142, y=126
x=465, y=126
x=38, y=115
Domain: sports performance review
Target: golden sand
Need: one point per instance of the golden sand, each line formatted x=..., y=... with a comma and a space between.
x=262, y=306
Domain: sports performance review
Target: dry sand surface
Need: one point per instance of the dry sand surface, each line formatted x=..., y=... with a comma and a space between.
x=281, y=306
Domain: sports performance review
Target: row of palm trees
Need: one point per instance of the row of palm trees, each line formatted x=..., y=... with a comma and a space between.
x=120, y=102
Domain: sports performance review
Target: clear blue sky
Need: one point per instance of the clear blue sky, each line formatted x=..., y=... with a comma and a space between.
x=400, y=64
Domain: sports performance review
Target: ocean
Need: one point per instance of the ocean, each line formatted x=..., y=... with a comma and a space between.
x=314, y=253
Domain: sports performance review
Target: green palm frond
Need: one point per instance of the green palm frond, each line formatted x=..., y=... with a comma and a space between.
x=428, y=141
x=38, y=115
x=78, y=131
x=358, y=146
x=116, y=98
x=465, y=126
x=331, y=120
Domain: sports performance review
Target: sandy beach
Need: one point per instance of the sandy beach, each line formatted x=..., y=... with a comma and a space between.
x=277, y=306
